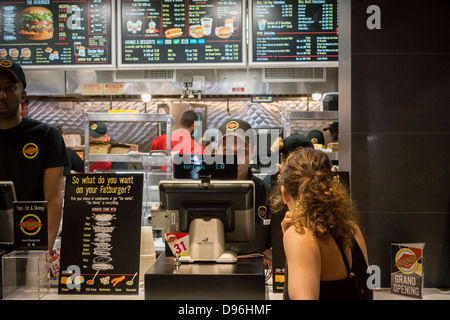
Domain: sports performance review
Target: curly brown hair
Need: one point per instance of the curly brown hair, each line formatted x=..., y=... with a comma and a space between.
x=322, y=204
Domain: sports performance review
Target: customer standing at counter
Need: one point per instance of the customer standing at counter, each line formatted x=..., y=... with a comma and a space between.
x=237, y=137
x=320, y=221
x=180, y=139
x=33, y=153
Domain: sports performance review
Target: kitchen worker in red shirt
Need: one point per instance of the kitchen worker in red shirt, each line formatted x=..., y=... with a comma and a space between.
x=180, y=139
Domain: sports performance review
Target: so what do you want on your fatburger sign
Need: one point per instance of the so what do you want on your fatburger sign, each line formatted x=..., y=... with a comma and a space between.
x=101, y=238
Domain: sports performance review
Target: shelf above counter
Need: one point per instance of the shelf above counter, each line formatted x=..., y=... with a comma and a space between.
x=314, y=115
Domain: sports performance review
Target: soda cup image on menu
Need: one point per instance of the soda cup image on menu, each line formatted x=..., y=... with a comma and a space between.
x=207, y=25
x=76, y=46
x=229, y=24
x=262, y=24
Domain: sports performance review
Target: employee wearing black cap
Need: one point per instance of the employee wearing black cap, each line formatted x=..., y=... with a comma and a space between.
x=33, y=154
x=98, y=133
x=333, y=127
x=237, y=137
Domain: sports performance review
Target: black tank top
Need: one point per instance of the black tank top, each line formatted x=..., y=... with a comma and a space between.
x=341, y=289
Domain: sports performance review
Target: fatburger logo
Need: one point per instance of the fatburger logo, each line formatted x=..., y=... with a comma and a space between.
x=30, y=224
x=232, y=125
x=30, y=150
x=262, y=212
x=6, y=64
x=406, y=261
x=94, y=126
x=171, y=239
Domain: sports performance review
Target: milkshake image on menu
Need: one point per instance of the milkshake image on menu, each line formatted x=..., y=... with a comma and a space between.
x=152, y=26
x=207, y=25
x=138, y=25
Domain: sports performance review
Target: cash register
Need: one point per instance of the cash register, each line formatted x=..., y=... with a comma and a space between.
x=206, y=201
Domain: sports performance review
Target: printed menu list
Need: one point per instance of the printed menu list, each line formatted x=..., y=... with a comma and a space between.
x=100, y=247
x=56, y=32
x=294, y=30
x=179, y=31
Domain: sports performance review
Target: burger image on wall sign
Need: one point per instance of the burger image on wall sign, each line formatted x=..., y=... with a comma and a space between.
x=37, y=24
x=223, y=32
x=196, y=31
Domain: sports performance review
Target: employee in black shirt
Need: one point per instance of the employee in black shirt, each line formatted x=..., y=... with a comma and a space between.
x=237, y=137
x=33, y=153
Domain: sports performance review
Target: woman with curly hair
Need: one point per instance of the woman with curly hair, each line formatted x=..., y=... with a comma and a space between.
x=320, y=220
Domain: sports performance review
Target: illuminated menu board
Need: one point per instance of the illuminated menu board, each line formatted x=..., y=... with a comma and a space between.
x=291, y=32
x=57, y=33
x=181, y=33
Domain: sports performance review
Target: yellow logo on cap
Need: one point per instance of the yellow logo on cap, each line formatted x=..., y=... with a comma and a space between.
x=232, y=125
x=94, y=126
x=314, y=141
x=6, y=63
x=30, y=150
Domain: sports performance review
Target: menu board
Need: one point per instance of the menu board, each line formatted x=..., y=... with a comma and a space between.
x=293, y=32
x=57, y=33
x=101, y=233
x=181, y=33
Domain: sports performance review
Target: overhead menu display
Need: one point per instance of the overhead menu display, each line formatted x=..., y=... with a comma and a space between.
x=289, y=32
x=181, y=33
x=57, y=33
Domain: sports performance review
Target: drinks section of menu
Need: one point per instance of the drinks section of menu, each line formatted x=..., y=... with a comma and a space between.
x=46, y=33
x=294, y=31
x=182, y=32
x=101, y=234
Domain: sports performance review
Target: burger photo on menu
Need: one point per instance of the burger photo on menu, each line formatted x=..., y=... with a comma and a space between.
x=196, y=31
x=223, y=32
x=37, y=24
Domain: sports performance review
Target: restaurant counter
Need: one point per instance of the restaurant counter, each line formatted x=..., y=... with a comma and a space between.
x=379, y=294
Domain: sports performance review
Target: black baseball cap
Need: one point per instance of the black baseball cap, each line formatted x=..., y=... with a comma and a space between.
x=97, y=129
x=293, y=142
x=316, y=137
x=238, y=128
x=15, y=69
x=333, y=127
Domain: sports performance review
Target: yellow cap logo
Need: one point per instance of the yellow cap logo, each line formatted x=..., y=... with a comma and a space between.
x=232, y=125
x=6, y=63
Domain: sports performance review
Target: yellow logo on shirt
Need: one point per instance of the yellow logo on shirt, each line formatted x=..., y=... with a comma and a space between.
x=30, y=150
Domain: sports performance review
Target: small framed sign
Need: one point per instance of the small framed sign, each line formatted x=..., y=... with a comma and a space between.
x=407, y=269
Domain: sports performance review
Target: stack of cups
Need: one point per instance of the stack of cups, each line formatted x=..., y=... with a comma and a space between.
x=148, y=256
